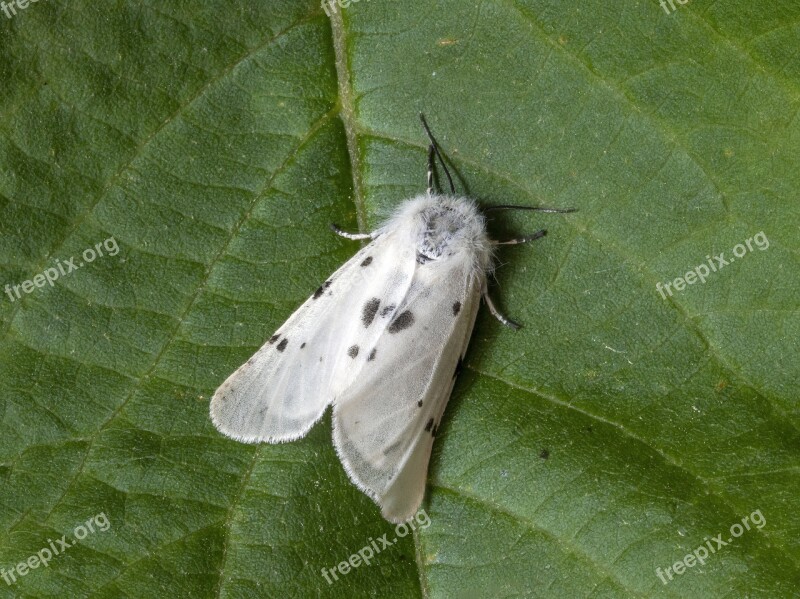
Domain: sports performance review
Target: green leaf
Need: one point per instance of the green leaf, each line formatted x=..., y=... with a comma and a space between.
x=213, y=142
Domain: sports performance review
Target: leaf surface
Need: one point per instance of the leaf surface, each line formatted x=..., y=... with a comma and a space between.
x=624, y=427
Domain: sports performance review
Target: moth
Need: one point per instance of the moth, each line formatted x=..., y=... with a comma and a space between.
x=382, y=341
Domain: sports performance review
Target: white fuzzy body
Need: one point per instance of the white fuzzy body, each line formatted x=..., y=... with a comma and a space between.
x=380, y=340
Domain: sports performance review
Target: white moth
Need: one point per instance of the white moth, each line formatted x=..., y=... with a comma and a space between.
x=382, y=341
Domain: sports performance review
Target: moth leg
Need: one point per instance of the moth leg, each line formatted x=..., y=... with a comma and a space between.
x=533, y=237
x=531, y=208
x=496, y=313
x=355, y=236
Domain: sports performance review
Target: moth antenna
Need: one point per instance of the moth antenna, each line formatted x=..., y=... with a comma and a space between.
x=438, y=153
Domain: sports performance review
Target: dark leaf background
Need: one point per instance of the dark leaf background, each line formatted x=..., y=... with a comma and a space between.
x=215, y=140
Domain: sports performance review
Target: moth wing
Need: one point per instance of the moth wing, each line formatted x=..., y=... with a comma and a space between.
x=384, y=424
x=284, y=388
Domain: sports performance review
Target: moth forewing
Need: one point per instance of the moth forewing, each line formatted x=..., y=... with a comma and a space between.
x=284, y=388
x=384, y=435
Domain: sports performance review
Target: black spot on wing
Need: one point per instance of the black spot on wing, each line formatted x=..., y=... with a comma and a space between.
x=401, y=322
x=456, y=308
x=273, y=339
x=435, y=430
x=429, y=426
x=369, y=310
x=419, y=403
x=302, y=345
x=371, y=355
x=321, y=289
x=367, y=261
x=282, y=345
x=352, y=351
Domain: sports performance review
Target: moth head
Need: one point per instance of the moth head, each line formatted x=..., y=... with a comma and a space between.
x=446, y=231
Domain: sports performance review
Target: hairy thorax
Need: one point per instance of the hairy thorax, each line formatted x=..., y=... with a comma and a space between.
x=446, y=230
